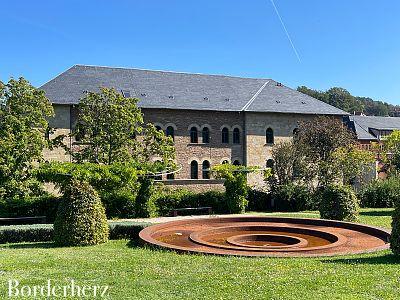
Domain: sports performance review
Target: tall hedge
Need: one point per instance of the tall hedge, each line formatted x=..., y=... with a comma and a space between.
x=81, y=218
x=338, y=203
x=395, y=236
x=380, y=193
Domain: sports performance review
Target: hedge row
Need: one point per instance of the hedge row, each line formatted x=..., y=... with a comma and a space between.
x=380, y=193
x=45, y=232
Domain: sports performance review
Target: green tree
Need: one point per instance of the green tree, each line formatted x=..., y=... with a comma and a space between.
x=321, y=136
x=235, y=183
x=110, y=128
x=24, y=111
x=391, y=152
x=291, y=163
x=350, y=163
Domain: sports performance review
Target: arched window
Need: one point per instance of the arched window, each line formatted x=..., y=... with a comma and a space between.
x=170, y=132
x=270, y=163
x=236, y=163
x=158, y=127
x=225, y=135
x=206, y=169
x=236, y=136
x=194, y=135
x=225, y=162
x=205, y=135
x=194, y=170
x=295, y=132
x=269, y=136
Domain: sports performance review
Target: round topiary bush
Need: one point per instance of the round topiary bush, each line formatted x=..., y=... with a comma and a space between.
x=338, y=203
x=81, y=218
x=395, y=235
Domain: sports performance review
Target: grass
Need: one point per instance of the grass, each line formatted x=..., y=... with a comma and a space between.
x=141, y=273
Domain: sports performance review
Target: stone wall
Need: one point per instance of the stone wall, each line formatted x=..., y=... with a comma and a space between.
x=61, y=125
x=257, y=150
x=197, y=186
x=215, y=151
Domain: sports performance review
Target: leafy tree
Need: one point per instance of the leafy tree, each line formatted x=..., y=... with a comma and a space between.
x=24, y=111
x=323, y=152
x=350, y=163
x=291, y=164
x=339, y=97
x=235, y=183
x=342, y=99
x=111, y=129
x=391, y=152
x=323, y=135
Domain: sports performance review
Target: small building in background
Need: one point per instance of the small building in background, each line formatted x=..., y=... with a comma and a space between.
x=370, y=130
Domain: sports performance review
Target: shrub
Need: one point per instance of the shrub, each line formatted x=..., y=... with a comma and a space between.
x=144, y=204
x=395, y=235
x=117, y=184
x=126, y=230
x=235, y=183
x=168, y=200
x=26, y=233
x=293, y=197
x=338, y=203
x=119, y=204
x=81, y=218
x=259, y=200
x=45, y=232
x=380, y=193
x=45, y=205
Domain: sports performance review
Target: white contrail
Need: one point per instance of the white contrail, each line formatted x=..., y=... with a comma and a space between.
x=287, y=33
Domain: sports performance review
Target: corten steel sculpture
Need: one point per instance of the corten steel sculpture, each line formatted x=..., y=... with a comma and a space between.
x=266, y=236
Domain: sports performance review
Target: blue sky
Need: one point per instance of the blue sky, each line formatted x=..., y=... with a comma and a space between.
x=353, y=44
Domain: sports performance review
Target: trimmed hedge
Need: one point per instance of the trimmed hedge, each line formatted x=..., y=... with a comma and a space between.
x=380, y=193
x=81, y=218
x=45, y=205
x=338, y=203
x=181, y=198
x=395, y=235
x=259, y=200
x=45, y=232
x=292, y=197
x=26, y=233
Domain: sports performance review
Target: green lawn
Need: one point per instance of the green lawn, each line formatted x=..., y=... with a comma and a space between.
x=138, y=273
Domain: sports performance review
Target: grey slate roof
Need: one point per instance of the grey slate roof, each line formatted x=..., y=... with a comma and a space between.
x=362, y=124
x=172, y=90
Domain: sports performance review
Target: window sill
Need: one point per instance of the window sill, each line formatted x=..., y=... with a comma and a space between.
x=199, y=144
x=269, y=144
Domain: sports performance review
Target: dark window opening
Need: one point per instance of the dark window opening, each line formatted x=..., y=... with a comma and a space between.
x=194, y=168
x=225, y=135
x=206, y=169
x=295, y=132
x=225, y=162
x=270, y=163
x=269, y=136
x=236, y=136
x=171, y=176
x=170, y=132
x=206, y=135
x=194, y=135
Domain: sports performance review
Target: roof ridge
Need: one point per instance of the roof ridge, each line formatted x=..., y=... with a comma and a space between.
x=166, y=71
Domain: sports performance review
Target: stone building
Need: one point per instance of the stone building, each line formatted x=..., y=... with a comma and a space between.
x=213, y=118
